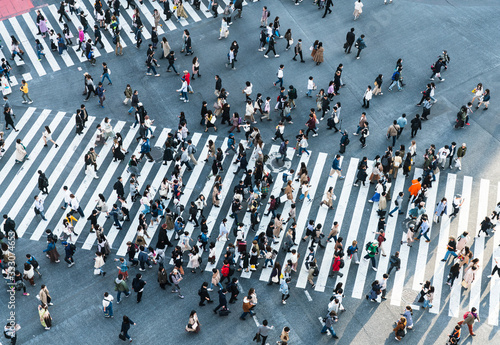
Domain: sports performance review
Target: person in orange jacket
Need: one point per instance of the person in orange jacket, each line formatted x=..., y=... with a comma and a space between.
x=414, y=188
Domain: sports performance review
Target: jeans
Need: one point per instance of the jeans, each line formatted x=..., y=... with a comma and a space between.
x=268, y=260
x=151, y=67
x=245, y=313
x=280, y=81
x=448, y=253
x=109, y=310
x=69, y=259
x=425, y=235
x=143, y=264
x=332, y=332
x=427, y=304
x=188, y=166
x=309, y=92
x=42, y=213
x=395, y=82
x=117, y=223
x=106, y=76
x=218, y=284
x=303, y=149
x=394, y=210
x=119, y=293
x=184, y=95
x=39, y=54
x=173, y=67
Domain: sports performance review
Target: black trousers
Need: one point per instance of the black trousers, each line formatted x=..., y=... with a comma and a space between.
x=270, y=49
x=139, y=296
x=414, y=132
x=359, y=51
x=64, y=14
x=299, y=54
x=348, y=49
x=327, y=10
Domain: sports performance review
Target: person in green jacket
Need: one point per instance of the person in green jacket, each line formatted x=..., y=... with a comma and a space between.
x=372, y=250
x=121, y=286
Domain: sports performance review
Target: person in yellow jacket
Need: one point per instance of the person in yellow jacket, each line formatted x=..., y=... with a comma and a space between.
x=24, y=90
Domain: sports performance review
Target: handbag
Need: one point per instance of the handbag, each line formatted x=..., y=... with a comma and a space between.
x=97, y=271
x=121, y=336
x=275, y=279
x=290, y=42
x=257, y=337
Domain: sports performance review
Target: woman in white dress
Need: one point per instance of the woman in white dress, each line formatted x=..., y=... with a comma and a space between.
x=194, y=262
x=107, y=130
x=47, y=136
x=224, y=29
x=358, y=9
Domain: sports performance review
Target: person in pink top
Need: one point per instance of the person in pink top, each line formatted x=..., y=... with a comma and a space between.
x=81, y=38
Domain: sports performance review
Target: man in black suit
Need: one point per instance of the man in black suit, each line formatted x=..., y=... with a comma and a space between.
x=350, y=38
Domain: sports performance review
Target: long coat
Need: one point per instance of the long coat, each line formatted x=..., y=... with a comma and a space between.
x=318, y=57
x=20, y=152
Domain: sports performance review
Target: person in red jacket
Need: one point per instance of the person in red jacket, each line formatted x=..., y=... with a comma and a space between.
x=225, y=272
x=337, y=262
x=311, y=125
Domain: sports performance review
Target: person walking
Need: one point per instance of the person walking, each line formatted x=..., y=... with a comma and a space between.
x=358, y=9
x=126, y=323
x=298, y=51
x=285, y=294
x=193, y=323
x=360, y=45
x=121, y=287
x=24, y=92
x=424, y=229
x=367, y=97
x=43, y=183
x=222, y=301
x=371, y=251
x=415, y=124
x=107, y=305
x=457, y=203
x=39, y=208
x=45, y=318
x=138, y=285
x=469, y=318
x=336, y=167
x=7, y=112
x=350, y=38
x=484, y=99
x=396, y=79
x=263, y=332
x=393, y=132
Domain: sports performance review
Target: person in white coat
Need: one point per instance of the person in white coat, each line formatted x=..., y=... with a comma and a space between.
x=358, y=9
x=183, y=90
x=367, y=97
x=224, y=29
x=21, y=153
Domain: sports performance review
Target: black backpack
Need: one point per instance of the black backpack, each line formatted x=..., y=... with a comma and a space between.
x=342, y=263
x=72, y=247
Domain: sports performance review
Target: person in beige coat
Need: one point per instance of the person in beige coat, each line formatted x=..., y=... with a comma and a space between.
x=20, y=152
x=396, y=164
x=318, y=56
x=289, y=191
x=278, y=226
x=328, y=201
x=166, y=48
x=44, y=296
x=180, y=11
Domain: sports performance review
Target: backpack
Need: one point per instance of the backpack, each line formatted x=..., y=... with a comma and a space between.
x=72, y=247
x=278, y=202
x=346, y=142
x=193, y=149
x=368, y=245
x=34, y=263
x=224, y=271
x=199, y=292
x=342, y=263
x=350, y=250
x=268, y=13
x=466, y=314
x=114, y=40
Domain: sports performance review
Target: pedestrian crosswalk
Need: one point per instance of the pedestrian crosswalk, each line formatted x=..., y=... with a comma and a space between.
x=64, y=166
x=25, y=29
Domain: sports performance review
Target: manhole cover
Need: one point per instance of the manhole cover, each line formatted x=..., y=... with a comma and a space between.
x=157, y=153
x=276, y=165
x=408, y=296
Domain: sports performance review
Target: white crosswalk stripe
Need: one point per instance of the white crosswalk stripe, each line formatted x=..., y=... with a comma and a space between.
x=463, y=223
x=494, y=302
x=113, y=232
x=46, y=49
x=326, y=262
x=421, y=263
x=65, y=55
x=53, y=10
x=266, y=272
x=7, y=41
x=439, y=266
x=28, y=46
